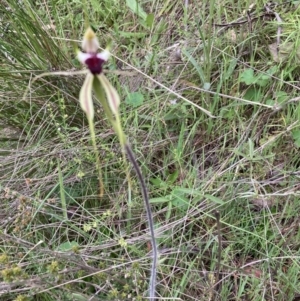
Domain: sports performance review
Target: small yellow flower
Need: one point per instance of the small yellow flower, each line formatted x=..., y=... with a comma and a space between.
x=87, y=227
x=4, y=258
x=122, y=242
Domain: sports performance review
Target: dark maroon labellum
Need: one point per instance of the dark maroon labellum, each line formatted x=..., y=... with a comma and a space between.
x=94, y=64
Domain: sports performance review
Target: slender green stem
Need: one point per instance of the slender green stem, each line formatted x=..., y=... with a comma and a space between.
x=135, y=165
x=62, y=192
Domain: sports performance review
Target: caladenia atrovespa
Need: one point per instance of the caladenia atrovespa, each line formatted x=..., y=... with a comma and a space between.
x=109, y=98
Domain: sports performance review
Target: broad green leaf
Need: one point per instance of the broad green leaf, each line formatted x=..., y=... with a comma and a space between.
x=281, y=96
x=247, y=77
x=262, y=80
x=135, y=99
x=67, y=246
x=150, y=20
x=159, y=182
x=253, y=94
x=270, y=102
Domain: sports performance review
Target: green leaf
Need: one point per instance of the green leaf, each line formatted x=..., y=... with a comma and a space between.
x=135, y=99
x=150, y=20
x=172, y=177
x=79, y=297
x=270, y=102
x=248, y=77
x=253, y=94
x=136, y=8
x=67, y=246
x=159, y=183
x=179, y=200
x=296, y=134
x=262, y=80
x=297, y=143
x=214, y=199
x=206, y=86
x=296, y=137
x=160, y=200
x=281, y=96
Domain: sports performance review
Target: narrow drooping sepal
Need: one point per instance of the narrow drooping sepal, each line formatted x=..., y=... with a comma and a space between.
x=112, y=95
x=85, y=96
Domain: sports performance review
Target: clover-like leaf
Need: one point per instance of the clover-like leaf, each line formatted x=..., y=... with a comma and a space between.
x=135, y=99
x=67, y=246
x=248, y=77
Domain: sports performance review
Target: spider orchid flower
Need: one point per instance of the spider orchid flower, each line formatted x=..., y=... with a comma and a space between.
x=110, y=100
x=95, y=77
